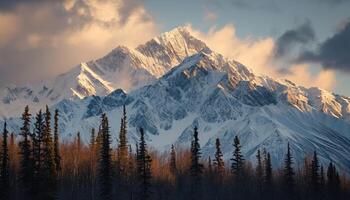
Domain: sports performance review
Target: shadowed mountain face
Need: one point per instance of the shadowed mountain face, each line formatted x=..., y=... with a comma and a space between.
x=174, y=83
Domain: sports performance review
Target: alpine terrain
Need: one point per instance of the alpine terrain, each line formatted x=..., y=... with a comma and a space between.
x=175, y=82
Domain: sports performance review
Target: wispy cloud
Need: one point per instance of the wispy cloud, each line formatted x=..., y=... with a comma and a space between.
x=49, y=37
x=259, y=54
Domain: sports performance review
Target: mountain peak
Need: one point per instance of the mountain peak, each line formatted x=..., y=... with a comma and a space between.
x=178, y=32
x=172, y=47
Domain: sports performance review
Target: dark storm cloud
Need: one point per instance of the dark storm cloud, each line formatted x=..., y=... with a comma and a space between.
x=8, y=5
x=300, y=35
x=334, y=53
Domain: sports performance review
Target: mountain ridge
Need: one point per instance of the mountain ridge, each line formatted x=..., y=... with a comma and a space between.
x=138, y=67
x=221, y=96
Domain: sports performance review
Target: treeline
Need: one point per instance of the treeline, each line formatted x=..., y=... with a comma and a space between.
x=35, y=165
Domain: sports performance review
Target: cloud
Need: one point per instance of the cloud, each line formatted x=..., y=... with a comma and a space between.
x=11, y=23
x=9, y=5
x=225, y=41
x=301, y=74
x=209, y=15
x=44, y=39
x=51, y=37
x=332, y=53
x=300, y=35
x=258, y=54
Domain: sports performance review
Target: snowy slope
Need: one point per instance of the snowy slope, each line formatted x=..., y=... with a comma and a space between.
x=123, y=67
x=178, y=83
x=223, y=98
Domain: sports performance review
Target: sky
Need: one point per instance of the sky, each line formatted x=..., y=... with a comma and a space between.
x=306, y=42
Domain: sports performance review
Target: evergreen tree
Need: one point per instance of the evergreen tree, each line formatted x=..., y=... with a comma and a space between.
x=92, y=140
x=333, y=180
x=26, y=160
x=237, y=159
x=48, y=159
x=288, y=173
x=13, y=161
x=37, y=140
x=219, y=164
x=37, y=153
x=196, y=168
x=173, y=168
x=322, y=178
x=98, y=143
x=144, y=168
x=93, y=161
x=56, y=143
x=259, y=171
x=210, y=167
x=4, y=167
x=268, y=179
x=123, y=147
x=105, y=164
x=92, y=148
x=315, y=177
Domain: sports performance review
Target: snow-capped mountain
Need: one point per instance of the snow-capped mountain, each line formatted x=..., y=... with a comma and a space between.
x=123, y=67
x=180, y=83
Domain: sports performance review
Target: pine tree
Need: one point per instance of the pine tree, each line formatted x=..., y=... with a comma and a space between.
x=144, y=168
x=196, y=169
x=210, y=167
x=237, y=159
x=98, y=143
x=173, y=168
x=13, y=161
x=37, y=140
x=333, y=181
x=92, y=140
x=219, y=164
x=322, y=178
x=267, y=177
x=315, y=177
x=4, y=167
x=26, y=160
x=93, y=161
x=259, y=171
x=288, y=173
x=56, y=143
x=105, y=164
x=92, y=148
x=123, y=147
x=48, y=159
x=37, y=153
x=268, y=171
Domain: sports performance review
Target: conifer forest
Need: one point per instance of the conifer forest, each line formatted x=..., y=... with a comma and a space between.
x=36, y=164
